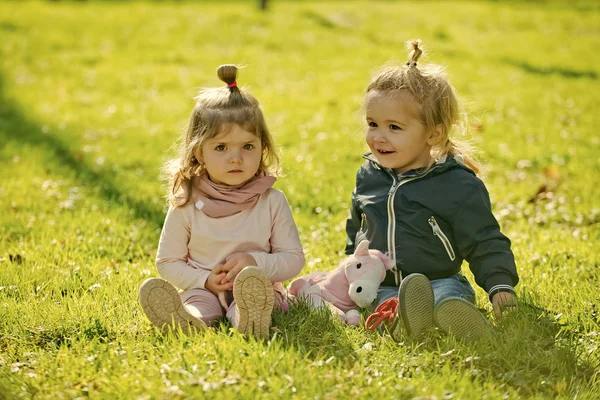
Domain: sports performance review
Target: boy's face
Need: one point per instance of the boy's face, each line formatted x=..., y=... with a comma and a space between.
x=395, y=133
x=233, y=156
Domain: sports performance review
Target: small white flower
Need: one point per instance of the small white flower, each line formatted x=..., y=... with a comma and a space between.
x=94, y=287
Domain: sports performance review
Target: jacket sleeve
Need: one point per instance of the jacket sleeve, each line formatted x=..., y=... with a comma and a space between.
x=286, y=259
x=481, y=243
x=172, y=256
x=353, y=225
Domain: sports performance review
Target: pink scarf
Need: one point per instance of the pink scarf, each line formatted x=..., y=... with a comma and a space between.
x=222, y=201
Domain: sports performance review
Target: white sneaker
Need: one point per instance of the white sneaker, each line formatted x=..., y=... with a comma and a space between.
x=163, y=307
x=254, y=297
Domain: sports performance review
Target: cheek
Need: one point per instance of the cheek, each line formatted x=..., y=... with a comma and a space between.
x=370, y=138
x=208, y=159
x=256, y=157
x=213, y=162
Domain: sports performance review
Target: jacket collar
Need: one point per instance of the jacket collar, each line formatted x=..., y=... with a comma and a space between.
x=446, y=162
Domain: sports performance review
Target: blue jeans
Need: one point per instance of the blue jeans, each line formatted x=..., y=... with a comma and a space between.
x=453, y=286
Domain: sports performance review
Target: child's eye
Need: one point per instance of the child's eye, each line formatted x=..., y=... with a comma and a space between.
x=395, y=127
x=372, y=124
x=220, y=147
x=248, y=146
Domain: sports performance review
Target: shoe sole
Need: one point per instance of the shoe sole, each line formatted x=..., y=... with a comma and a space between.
x=253, y=294
x=395, y=328
x=163, y=307
x=415, y=303
x=460, y=318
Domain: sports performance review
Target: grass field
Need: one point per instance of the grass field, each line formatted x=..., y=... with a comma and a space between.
x=93, y=95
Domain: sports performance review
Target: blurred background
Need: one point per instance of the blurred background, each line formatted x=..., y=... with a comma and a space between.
x=94, y=94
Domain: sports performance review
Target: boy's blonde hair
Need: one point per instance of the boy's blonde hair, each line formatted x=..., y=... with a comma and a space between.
x=215, y=111
x=439, y=104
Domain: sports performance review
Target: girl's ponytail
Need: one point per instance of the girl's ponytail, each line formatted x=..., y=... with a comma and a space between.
x=228, y=74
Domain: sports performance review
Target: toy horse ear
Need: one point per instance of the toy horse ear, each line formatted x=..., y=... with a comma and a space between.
x=388, y=263
x=362, y=249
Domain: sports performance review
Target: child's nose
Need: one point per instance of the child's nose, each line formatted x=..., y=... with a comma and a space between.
x=379, y=137
x=235, y=156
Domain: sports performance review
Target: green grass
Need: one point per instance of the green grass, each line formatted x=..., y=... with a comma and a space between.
x=92, y=96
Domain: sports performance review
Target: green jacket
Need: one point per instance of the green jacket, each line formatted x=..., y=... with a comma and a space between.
x=429, y=221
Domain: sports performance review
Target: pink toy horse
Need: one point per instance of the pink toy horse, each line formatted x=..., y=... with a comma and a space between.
x=352, y=285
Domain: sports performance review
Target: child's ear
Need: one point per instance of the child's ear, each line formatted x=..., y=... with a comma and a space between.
x=435, y=136
x=198, y=155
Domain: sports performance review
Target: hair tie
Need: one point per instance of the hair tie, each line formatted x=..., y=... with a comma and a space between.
x=230, y=85
x=411, y=64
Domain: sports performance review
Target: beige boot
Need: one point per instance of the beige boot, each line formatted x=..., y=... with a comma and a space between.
x=254, y=297
x=163, y=307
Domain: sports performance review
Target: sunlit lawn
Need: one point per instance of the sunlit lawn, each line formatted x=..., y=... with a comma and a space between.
x=93, y=95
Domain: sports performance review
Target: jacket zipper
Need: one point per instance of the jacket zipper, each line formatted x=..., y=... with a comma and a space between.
x=391, y=232
x=437, y=231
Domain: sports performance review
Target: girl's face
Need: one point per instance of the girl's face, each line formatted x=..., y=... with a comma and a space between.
x=233, y=156
x=395, y=133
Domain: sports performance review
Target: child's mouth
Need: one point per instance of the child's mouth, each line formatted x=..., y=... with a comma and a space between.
x=385, y=152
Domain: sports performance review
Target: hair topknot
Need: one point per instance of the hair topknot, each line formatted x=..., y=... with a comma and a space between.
x=227, y=73
x=415, y=50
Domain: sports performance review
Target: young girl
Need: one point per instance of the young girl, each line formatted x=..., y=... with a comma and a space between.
x=226, y=228
x=417, y=197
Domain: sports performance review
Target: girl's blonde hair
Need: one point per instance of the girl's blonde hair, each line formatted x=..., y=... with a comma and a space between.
x=440, y=106
x=215, y=111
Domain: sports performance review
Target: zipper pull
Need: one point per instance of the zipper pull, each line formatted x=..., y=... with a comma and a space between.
x=437, y=231
x=434, y=226
x=362, y=222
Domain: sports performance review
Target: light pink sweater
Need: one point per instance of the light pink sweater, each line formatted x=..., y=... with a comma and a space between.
x=192, y=244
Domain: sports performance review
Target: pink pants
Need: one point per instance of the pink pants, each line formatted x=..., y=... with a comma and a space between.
x=201, y=303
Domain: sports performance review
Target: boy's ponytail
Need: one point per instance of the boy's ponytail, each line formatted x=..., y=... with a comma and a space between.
x=462, y=149
x=413, y=46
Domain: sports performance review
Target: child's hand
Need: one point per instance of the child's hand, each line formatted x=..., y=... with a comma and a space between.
x=214, y=285
x=503, y=301
x=234, y=263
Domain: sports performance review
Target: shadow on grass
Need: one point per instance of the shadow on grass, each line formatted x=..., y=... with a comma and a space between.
x=310, y=332
x=313, y=332
x=61, y=335
x=61, y=159
x=533, y=352
x=550, y=70
x=320, y=20
x=534, y=343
